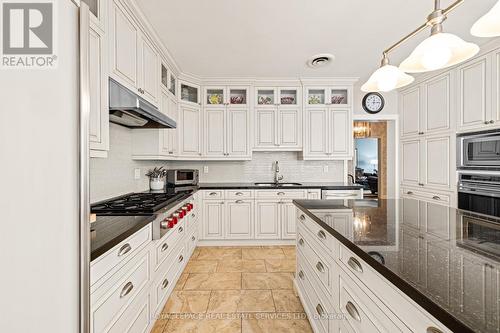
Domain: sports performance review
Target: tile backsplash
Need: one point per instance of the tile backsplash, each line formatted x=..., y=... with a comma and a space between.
x=114, y=175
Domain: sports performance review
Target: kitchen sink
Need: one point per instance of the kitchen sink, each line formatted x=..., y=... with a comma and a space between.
x=278, y=185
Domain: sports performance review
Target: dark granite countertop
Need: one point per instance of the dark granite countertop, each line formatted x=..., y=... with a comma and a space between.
x=108, y=231
x=445, y=259
x=323, y=186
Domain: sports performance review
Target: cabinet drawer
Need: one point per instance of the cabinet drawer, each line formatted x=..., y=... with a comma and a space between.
x=119, y=254
x=121, y=295
x=430, y=196
x=135, y=318
x=169, y=242
x=166, y=279
x=239, y=194
x=216, y=194
x=319, y=234
x=318, y=309
x=385, y=294
x=316, y=263
x=361, y=313
x=281, y=194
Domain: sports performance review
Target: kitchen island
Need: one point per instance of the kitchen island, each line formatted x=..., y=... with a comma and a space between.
x=397, y=265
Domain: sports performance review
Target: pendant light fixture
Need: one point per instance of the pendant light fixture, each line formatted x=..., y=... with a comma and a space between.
x=386, y=78
x=489, y=24
x=440, y=50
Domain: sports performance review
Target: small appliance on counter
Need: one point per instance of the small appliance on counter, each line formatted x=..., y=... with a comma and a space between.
x=182, y=177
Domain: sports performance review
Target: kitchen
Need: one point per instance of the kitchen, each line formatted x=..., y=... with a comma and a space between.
x=205, y=187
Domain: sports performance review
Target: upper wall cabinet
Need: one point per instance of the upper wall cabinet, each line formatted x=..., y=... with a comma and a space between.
x=98, y=83
x=98, y=9
x=334, y=96
x=427, y=108
x=278, y=119
x=133, y=59
x=168, y=80
x=190, y=93
x=235, y=96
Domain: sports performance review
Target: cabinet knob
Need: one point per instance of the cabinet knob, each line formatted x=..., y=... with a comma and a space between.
x=239, y=193
x=320, y=310
x=164, y=247
x=193, y=238
x=239, y=201
x=181, y=258
x=126, y=289
x=409, y=192
x=320, y=267
x=432, y=329
x=301, y=275
x=181, y=230
x=492, y=121
x=436, y=197
x=301, y=242
x=164, y=284
x=486, y=122
x=321, y=234
x=302, y=217
x=420, y=184
x=124, y=250
x=281, y=193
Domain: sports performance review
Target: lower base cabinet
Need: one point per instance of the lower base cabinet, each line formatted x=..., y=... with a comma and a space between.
x=267, y=220
x=239, y=219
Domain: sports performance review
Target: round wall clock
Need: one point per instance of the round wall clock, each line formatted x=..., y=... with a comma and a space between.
x=373, y=102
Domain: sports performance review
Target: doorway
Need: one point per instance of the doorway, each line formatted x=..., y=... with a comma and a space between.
x=372, y=158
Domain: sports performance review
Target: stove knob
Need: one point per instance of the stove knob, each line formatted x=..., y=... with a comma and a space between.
x=164, y=224
x=181, y=213
x=177, y=217
x=171, y=221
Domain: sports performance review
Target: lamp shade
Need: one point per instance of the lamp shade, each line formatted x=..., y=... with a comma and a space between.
x=387, y=78
x=438, y=51
x=489, y=24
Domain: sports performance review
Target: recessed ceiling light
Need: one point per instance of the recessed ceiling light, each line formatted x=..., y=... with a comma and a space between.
x=320, y=60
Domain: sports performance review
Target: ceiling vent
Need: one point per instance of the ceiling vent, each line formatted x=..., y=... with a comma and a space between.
x=320, y=60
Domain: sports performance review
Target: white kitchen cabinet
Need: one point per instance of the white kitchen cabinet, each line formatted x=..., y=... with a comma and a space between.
x=235, y=96
x=267, y=220
x=438, y=104
x=474, y=90
x=190, y=93
x=190, y=131
x=149, y=70
x=334, y=96
x=134, y=60
x=213, y=219
x=239, y=219
x=426, y=162
x=98, y=84
x=227, y=132
x=328, y=133
x=278, y=119
x=314, y=194
x=496, y=86
x=288, y=217
x=98, y=9
x=410, y=111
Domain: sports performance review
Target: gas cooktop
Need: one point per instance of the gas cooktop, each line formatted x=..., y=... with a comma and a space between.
x=135, y=203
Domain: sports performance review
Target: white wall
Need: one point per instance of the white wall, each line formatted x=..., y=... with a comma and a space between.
x=39, y=239
x=114, y=175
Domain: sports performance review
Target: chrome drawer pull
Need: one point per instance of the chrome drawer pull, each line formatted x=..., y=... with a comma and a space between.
x=238, y=193
x=164, y=284
x=164, y=247
x=353, y=312
x=193, y=238
x=239, y=201
x=181, y=258
x=436, y=197
x=432, y=329
x=124, y=250
x=320, y=310
x=180, y=229
x=213, y=193
x=409, y=192
x=302, y=217
x=301, y=242
x=301, y=275
x=320, y=267
x=321, y=234
x=354, y=264
x=281, y=193
x=126, y=289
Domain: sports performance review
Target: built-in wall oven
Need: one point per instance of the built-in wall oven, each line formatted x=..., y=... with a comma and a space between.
x=480, y=193
x=480, y=150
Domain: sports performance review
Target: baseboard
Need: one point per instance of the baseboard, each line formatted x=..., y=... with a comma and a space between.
x=245, y=242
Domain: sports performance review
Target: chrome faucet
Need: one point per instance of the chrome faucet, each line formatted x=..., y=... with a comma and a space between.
x=277, y=176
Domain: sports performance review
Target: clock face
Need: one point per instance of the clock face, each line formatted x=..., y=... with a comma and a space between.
x=373, y=103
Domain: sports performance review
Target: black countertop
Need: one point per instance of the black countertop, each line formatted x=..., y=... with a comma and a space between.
x=108, y=231
x=303, y=185
x=446, y=260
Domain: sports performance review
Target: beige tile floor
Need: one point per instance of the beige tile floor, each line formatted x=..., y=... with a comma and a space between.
x=235, y=290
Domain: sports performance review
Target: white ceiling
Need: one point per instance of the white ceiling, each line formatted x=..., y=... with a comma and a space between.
x=274, y=38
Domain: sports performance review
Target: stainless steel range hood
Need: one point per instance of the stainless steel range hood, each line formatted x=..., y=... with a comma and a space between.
x=130, y=110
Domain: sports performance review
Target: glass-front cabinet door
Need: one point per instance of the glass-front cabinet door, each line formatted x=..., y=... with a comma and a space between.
x=164, y=77
x=98, y=10
x=288, y=96
x=190, y=93
x=265, y=97
x=238, y=96
x=339, y=96
x=173, y=84
x=215, y=96
x=316, y=96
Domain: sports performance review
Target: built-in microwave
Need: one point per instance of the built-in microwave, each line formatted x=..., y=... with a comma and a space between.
x=182, y=177
x=480, y=150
